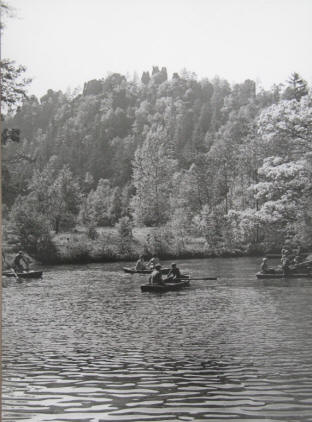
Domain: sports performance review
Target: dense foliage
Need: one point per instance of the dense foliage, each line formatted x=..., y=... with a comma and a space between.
x=231, y=164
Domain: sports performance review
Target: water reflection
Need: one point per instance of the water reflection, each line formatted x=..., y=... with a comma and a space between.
x=84, y=344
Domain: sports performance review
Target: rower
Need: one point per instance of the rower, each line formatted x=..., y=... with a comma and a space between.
x=285, y=263
x=153, y=262
x=174, y=273
x=140, y=265
x=284, y=251
x=17, y=263
x=297, y=260
x=264, y=267
x=305, y=265
x=156, y=276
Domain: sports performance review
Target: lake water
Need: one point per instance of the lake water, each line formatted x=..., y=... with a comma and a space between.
x=84, y=344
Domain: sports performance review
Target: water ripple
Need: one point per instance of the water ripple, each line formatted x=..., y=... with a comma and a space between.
x=83, y=344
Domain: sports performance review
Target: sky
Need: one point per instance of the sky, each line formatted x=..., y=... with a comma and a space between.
x=65, y=43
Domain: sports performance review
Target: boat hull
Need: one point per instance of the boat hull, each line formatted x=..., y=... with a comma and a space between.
x=281, y=275
x=30, y=274
x=168, y=287
x=134, y=271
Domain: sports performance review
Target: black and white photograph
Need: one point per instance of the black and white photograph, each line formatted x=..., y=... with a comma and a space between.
x=156, y=208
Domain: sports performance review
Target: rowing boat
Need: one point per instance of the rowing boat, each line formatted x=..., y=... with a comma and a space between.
x=281, y=275
x=168, y=287
x=29, y=274
x=134, y=271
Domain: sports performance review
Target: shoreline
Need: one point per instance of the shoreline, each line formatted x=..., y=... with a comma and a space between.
x=132, y=258
x=76, y=247
x=165, y=257
x=87, y=259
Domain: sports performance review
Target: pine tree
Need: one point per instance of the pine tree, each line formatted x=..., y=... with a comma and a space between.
x=297, y=87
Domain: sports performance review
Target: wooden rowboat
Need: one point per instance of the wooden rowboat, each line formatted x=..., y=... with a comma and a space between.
x=168, y=287
x=29, y=274
x=281, y=275
x=134, y=271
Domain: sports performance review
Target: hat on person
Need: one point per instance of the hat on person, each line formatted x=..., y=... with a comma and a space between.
x=264, y=259
x=173, y=265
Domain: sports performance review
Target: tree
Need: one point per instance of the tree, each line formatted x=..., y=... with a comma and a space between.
x=87, y=182
x=124, y=228
x=152, y=175
x=13, y=92
x=210, y=224
x=32, y=229
x=56, y=194
x=286, y=127
x=297, y=87
x=102, y=206
x=280, y=195
x=13, y=83
x=66, y=196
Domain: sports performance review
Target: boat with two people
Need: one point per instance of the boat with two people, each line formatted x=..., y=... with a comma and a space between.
x=174, y=281
x=141, y=267
x=289, y=268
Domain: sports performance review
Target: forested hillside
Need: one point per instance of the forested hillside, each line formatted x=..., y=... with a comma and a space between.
x=197, y=158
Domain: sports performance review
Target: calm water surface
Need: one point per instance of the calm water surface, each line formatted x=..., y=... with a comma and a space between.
x=84, y=344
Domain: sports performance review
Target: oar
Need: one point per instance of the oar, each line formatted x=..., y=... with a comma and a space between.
x=189, y=279
x=195, y=278
x=203, y=278
x=15, y=274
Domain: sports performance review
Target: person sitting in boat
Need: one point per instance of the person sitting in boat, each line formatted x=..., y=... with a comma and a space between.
x=297, y=260
x=153, y=262
x=140, y=265
x=295, y=264
x=174, y=273
x=265, y=268
x=18, y=262
x=284, y=251
x=285, y=261
x=305, y=265
x=156, y=276
x=298, y=250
